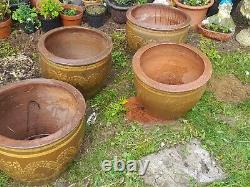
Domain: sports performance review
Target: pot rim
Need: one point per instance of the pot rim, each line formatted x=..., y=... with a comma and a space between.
x=202, y=30
x=75, y=17
x=76, y=62
x=131, y=18
x=114, y=6
x=177, y=2
x=62, y=132
x=202, y=80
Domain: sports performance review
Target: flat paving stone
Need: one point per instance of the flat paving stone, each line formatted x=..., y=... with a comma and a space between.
x=178, y=166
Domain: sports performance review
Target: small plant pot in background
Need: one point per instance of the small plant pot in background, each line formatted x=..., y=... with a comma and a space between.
x=214, y=35
x=50, y=24
x=5, y=28
x=72, y=20
x=118, y=13
x=95, y=18
x=197, y=13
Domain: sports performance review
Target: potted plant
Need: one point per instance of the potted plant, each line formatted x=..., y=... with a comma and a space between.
x=72, y=15
x=119, y=9
x=196, y=9
x=215, y=31
x=14, y=4
x=95, y=15
x=50, y=14
x=28, y=18
x=5, y=19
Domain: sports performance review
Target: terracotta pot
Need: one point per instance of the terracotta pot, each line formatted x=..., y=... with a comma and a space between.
x=42, y=126
x=118, y=13
x=215, y=35
x=154, y=22
x=72, y=20
x=170, y=78
x=5, y=28
x=34, y=2
x=77, y=55
x=197, y=13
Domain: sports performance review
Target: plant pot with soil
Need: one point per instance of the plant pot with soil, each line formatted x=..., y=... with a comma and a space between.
x=196, y=9
x=42, y=126
x=95, y=15
x=27, y=17
x=216, y=32
x=5, y=19
x=159, y=23
x=170, y=78
x=77, y=55
x=72, y=15
x=50, y=14
x=118, y=9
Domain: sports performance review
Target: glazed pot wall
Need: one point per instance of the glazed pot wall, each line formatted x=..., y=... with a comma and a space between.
x=119, y=16
x=95, y=21
x=167, y=105
x=138, y=36
x=88, y=79
x=40, y=165
x=5, y=28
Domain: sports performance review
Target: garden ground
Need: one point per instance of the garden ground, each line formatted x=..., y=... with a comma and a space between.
x=220, y=121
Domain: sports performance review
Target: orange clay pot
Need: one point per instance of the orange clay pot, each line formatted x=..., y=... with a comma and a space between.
x=197, y=13
x=215, y=35
x=72, y=20
x=170, y=78
x=5, y=28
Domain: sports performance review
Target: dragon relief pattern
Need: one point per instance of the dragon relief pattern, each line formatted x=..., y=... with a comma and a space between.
x=33, y=171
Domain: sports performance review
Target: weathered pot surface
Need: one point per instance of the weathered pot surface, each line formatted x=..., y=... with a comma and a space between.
x=170, y=78
x=197, y=13
x=77, y=55
x=42, y=124
x=155, y=22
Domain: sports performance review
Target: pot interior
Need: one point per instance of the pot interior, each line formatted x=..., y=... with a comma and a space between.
x=35, y=111
x=75, y=43
x=158, y=16
x=172, y=64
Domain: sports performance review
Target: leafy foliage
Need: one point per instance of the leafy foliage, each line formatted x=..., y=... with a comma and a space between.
x=4, y=9
x=217, y=28
x=70, y=12
x=50, y=9
x=124, y=2
x=195, y=2
x=6, y=49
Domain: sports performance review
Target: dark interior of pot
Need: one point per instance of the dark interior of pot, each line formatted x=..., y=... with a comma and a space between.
x=75, y=43
x=157, y=15
x=172, y=64
x=35, y=111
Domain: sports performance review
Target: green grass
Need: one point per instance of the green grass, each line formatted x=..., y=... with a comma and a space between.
x=111, y=135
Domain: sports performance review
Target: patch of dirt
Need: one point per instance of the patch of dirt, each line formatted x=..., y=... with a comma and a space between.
x=229, y=89
x=177, y=165
x=137, y=112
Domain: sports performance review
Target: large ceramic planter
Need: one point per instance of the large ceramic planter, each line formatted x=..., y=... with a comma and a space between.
x=154, y=22
x=170, y=78
x=42, y=126
x=118, y=13
x=5, y=28
x=72, y=20
x=197, y=13
x=77, y=55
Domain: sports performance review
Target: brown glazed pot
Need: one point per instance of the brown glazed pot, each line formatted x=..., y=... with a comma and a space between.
x=72, y=20
x=77, y=55
x=42, y=127
x=118, y=13
x=170, y=78
x=5, y=28
x=197, y=13
x=155, y=22
x=215, y=35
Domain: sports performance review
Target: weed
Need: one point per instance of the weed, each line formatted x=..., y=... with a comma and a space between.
x=6, y=49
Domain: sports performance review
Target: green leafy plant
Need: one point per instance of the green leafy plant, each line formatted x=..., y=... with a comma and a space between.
x=217, y=28
x=124, y=2
x=27, y=17
x=50, y=9
x=141, y=2
x=195, y=2
x=4, y=9
x=70, y=12
x=95, y=9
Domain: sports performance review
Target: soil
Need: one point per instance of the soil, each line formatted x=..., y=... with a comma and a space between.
x=229, y=89
x=137, y=112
